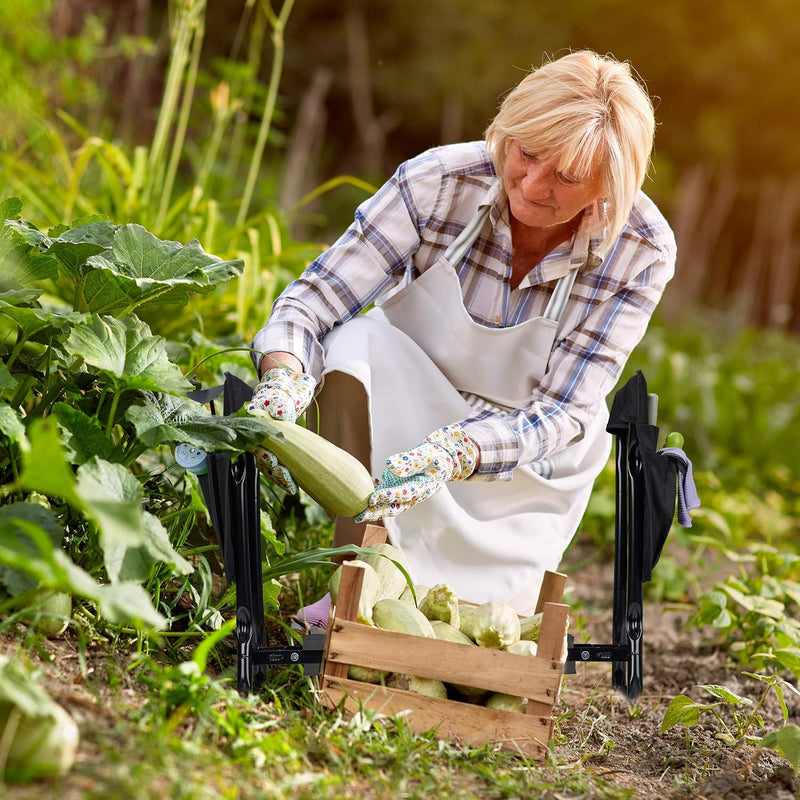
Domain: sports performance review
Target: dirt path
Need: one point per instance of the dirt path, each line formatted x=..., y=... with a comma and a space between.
x=622, y=739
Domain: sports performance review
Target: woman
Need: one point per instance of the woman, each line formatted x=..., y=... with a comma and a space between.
x=511, y=278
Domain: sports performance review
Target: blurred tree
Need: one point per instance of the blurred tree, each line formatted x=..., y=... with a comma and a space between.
x=368, y=84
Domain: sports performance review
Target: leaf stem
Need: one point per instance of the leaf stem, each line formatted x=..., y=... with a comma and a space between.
x=278, y=26
x=113, y=411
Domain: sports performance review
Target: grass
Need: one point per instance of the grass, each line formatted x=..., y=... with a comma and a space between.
x=185, y=735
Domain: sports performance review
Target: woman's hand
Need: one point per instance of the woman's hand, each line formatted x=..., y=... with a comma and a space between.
x=282, y=394
x=448, y=454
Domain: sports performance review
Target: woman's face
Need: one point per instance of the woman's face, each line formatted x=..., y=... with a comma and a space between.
x=540, y=196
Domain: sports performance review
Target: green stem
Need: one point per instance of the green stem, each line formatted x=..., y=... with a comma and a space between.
x=78, y=300
x=16, y=350
x=131, y=451
x=222, y=118
x=113, y=411
x=278, y=27
x=752, y=717
x=214, y=355
x=22, y=392
x=722, y=722
x=198, y=30
x=206, y=548
x=188, y=13
x=244, y=90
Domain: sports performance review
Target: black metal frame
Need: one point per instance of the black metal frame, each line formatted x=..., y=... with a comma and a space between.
x=231, y=491
x=627, y=625
x=645, y=507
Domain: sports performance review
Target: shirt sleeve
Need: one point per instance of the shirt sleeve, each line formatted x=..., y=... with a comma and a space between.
x=365, y=262
x=583, y=369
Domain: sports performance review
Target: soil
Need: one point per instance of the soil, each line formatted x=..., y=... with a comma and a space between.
x=622, y=739
x=598, y=728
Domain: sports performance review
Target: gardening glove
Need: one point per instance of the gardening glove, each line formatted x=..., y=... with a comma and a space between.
x=448, y=454
x=282, y=394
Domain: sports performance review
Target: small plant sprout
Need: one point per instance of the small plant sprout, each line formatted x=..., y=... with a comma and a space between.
x=740, y=712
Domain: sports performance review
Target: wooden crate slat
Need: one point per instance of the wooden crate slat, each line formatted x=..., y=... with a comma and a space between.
x=462, y=722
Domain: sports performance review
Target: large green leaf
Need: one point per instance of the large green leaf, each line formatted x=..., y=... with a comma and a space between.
x=33, y=321
x=20, y=689
x=7, y=380
x=19, y=267
x=51, y=567
x=10, y=208
x=785, y=740
x=45, y=468
x=84, y=435
x=168, y=420
x=110, y=496
x=128, y=352
x=17, y=581
x=132, y=539
x=121, y=267
x=140, y=268
x=11, y=425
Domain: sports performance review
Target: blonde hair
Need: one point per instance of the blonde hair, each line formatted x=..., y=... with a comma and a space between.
x=589, y=113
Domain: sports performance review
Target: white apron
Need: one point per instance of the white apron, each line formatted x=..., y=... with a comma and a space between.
x=414, y=355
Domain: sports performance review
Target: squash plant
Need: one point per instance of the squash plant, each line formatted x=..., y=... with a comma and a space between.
x=89, y=402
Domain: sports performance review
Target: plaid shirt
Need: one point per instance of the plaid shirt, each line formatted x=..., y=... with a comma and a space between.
x=407, y=225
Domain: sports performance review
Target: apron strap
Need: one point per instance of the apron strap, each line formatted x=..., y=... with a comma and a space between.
x=461, y=244
x=458, y=247
x=558, y=300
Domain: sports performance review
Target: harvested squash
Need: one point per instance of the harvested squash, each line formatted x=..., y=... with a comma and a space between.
x=339, y=482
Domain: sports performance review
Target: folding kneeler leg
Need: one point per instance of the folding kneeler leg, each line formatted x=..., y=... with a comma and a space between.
x=646, y=482
x=231, y=490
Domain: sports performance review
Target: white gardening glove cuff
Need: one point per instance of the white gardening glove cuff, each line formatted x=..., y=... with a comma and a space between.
x=282, y=394
x=414, y=475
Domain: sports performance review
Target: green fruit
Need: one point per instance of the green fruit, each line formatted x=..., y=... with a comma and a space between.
x=52, y=613
x=330, y=475
x=38, y=747
x=675, y=439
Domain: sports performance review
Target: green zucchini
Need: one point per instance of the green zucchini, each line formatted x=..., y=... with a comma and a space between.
x=523, y=648
x=446, y=632
x=370, y=590
x=507, y=702
x=367, y=674
x=393, y=581
x=441, y=602
x=430, y=687
x=338, y=481
x=530, y=627
x=401, y=617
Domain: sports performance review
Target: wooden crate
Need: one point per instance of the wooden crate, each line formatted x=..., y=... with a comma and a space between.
x=536, y=677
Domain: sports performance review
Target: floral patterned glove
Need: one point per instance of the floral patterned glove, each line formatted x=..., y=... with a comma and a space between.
x=282, y=394
x=448, y=454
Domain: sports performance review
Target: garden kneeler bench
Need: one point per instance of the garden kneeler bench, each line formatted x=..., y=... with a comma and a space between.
x=645, y=506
